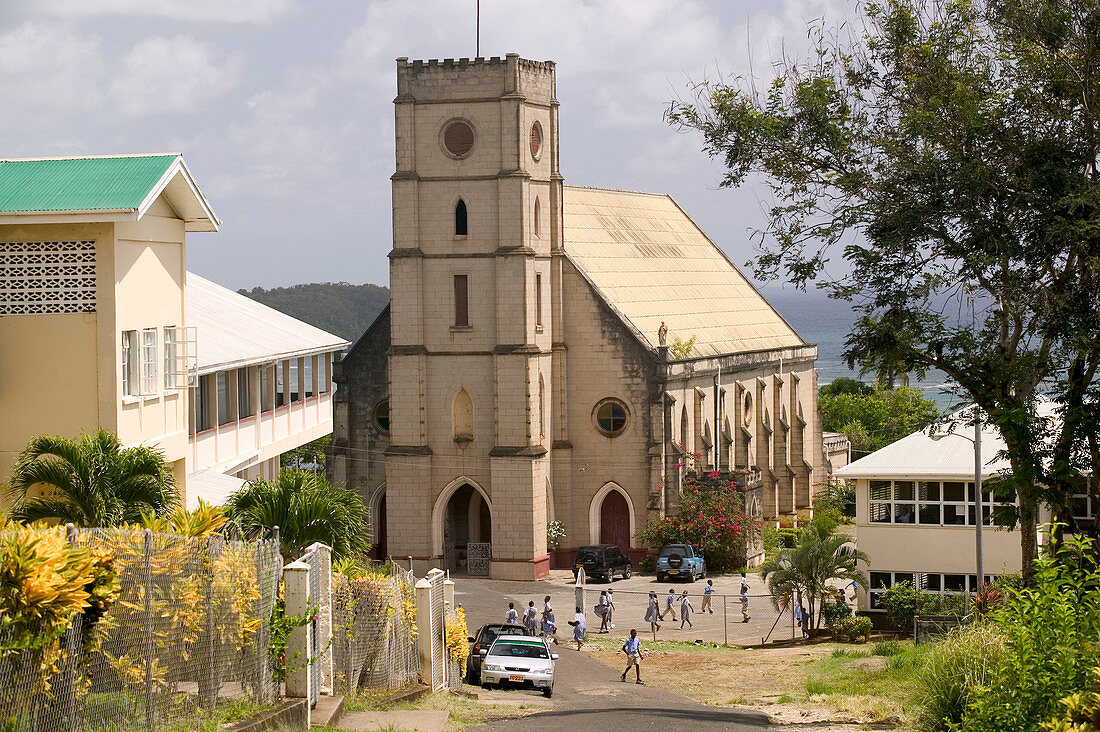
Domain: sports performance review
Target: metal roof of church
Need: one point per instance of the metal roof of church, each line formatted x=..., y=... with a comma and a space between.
x=651, y=263
x=234, y=330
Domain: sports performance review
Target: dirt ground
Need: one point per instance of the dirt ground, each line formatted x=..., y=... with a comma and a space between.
x=777, y=681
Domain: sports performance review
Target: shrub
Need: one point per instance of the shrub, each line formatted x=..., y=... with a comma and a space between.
x=902, y=602
x=1081, y=713
x=712, y=517
x=853, y=628
x=963, y=660
x=647, y=564
x=1051, y=630
x=837, y=498
x=831, y=612
x=555, y=532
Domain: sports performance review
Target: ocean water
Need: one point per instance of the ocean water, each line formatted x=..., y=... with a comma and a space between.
x=826, y=323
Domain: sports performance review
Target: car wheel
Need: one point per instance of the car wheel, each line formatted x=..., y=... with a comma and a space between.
x=660, y=577
x=628, y=572
x=548, y=692
x=691, y=575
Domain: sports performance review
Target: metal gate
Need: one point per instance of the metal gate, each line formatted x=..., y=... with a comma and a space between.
x=477, y=559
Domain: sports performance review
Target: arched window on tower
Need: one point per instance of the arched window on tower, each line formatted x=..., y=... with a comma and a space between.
x=684, y=429
x=460, y=218
x=462, y=417
x=537, y=221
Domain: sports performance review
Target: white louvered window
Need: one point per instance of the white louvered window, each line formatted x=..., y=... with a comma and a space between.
x=149, y=361
x=171, y=356
x=47, y=277
x=129, y=362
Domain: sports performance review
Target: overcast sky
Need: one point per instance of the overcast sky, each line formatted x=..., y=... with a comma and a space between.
x=283, y=108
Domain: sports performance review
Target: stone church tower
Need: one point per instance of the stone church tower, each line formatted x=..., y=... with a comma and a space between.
x=477, y=212
x=524, y=370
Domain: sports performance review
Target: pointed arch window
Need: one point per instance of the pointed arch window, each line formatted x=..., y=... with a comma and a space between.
x=537, y=219
x=461, y=227
x=462, y=417
x=542, y=408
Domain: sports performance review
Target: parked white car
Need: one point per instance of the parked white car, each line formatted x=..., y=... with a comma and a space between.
x=519, y=660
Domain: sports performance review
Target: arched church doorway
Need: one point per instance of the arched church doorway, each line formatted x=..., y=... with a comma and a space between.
x=467, y=519
x=380, y=550
x=615, y=520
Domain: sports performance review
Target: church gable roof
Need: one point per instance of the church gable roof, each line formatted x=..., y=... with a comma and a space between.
x=651, y=263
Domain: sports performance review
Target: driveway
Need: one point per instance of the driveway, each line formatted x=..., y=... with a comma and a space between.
x=586, y=692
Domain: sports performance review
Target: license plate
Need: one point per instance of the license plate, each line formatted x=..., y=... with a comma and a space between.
x=516, y=677
x=674, y=571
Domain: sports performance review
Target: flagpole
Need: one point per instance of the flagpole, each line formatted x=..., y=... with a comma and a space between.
x=478, y=32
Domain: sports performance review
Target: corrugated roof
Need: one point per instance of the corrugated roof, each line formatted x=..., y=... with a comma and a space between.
x=80, y=184
x=234, y=330
x=919, y=456
x=100, y=188
x=211, y=486
x=652, y=263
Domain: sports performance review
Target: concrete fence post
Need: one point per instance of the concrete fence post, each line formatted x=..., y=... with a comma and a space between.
x=323, y=560
x=423, y=590
x=578, y=590
x=449, y=595
x=296, y=589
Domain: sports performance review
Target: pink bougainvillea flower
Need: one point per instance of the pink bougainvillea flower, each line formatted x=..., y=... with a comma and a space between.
x=712, y=474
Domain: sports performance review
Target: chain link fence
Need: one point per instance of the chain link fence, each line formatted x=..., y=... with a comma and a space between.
x=374, y=636
x=188, y=633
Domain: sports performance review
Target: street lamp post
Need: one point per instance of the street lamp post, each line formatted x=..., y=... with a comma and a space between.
x=979, y=513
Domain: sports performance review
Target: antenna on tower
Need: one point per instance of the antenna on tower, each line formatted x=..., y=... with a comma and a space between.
x=477, y=33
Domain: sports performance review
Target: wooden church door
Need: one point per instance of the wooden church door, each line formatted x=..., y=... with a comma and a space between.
x=615, y=521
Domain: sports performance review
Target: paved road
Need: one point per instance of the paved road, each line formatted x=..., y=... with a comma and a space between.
x=586, y=692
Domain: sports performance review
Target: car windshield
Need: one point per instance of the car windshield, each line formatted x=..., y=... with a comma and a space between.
x=490, y=632
x=519, y=650
x=680, y=549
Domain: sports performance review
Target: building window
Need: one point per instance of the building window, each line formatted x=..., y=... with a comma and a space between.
x=461, y=222
x=462, y=417
x=149, y=361
x=266, y=404
x=244, y=393
x=322, y=372
x=202, y=403
x=538, y=301
x=458, y=138
x=931, y=503
x=536, y=140
x=129, y=362
x=934, y=583
x=611, y=417
x=382, y=415
x=171, y=358
x=280, y=378
x=294, y=392
x=462, y=302
x=225, y=406
x=307, y=363
x=1082, y=506
x=536, y=220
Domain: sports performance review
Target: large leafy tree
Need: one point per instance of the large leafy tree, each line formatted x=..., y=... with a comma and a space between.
x=307, y=509
x=819, y=556
x=949, y=150
x=93, y=481
x=873, y=417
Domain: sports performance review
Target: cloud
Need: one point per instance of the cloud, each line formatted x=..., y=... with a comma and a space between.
x=177, y=74
x=45, y=67
x=225, y=11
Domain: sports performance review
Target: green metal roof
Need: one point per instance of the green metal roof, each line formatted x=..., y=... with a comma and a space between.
x=80, y=184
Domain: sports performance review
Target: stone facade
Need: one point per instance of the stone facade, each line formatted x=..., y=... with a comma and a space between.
x=493, y=392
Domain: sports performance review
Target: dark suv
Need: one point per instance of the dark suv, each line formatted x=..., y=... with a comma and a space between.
x=602, y=560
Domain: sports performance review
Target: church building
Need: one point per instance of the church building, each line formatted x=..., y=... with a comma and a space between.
x=551, y=352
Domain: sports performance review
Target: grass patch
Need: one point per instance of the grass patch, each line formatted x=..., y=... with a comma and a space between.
x=464, y=711
x=368, y=699
x=115, y=711
x=887, y=648
x=614, y=644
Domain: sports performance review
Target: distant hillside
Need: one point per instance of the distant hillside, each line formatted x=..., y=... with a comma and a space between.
x=337, y=307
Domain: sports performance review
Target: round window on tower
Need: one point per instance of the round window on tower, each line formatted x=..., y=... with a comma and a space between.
x=611, y=417
x=536, y=140
x=457, y=137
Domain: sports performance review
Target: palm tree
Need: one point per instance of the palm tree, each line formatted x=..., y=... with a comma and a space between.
x=307, y=509
x=92, y=482
x=819, y=556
